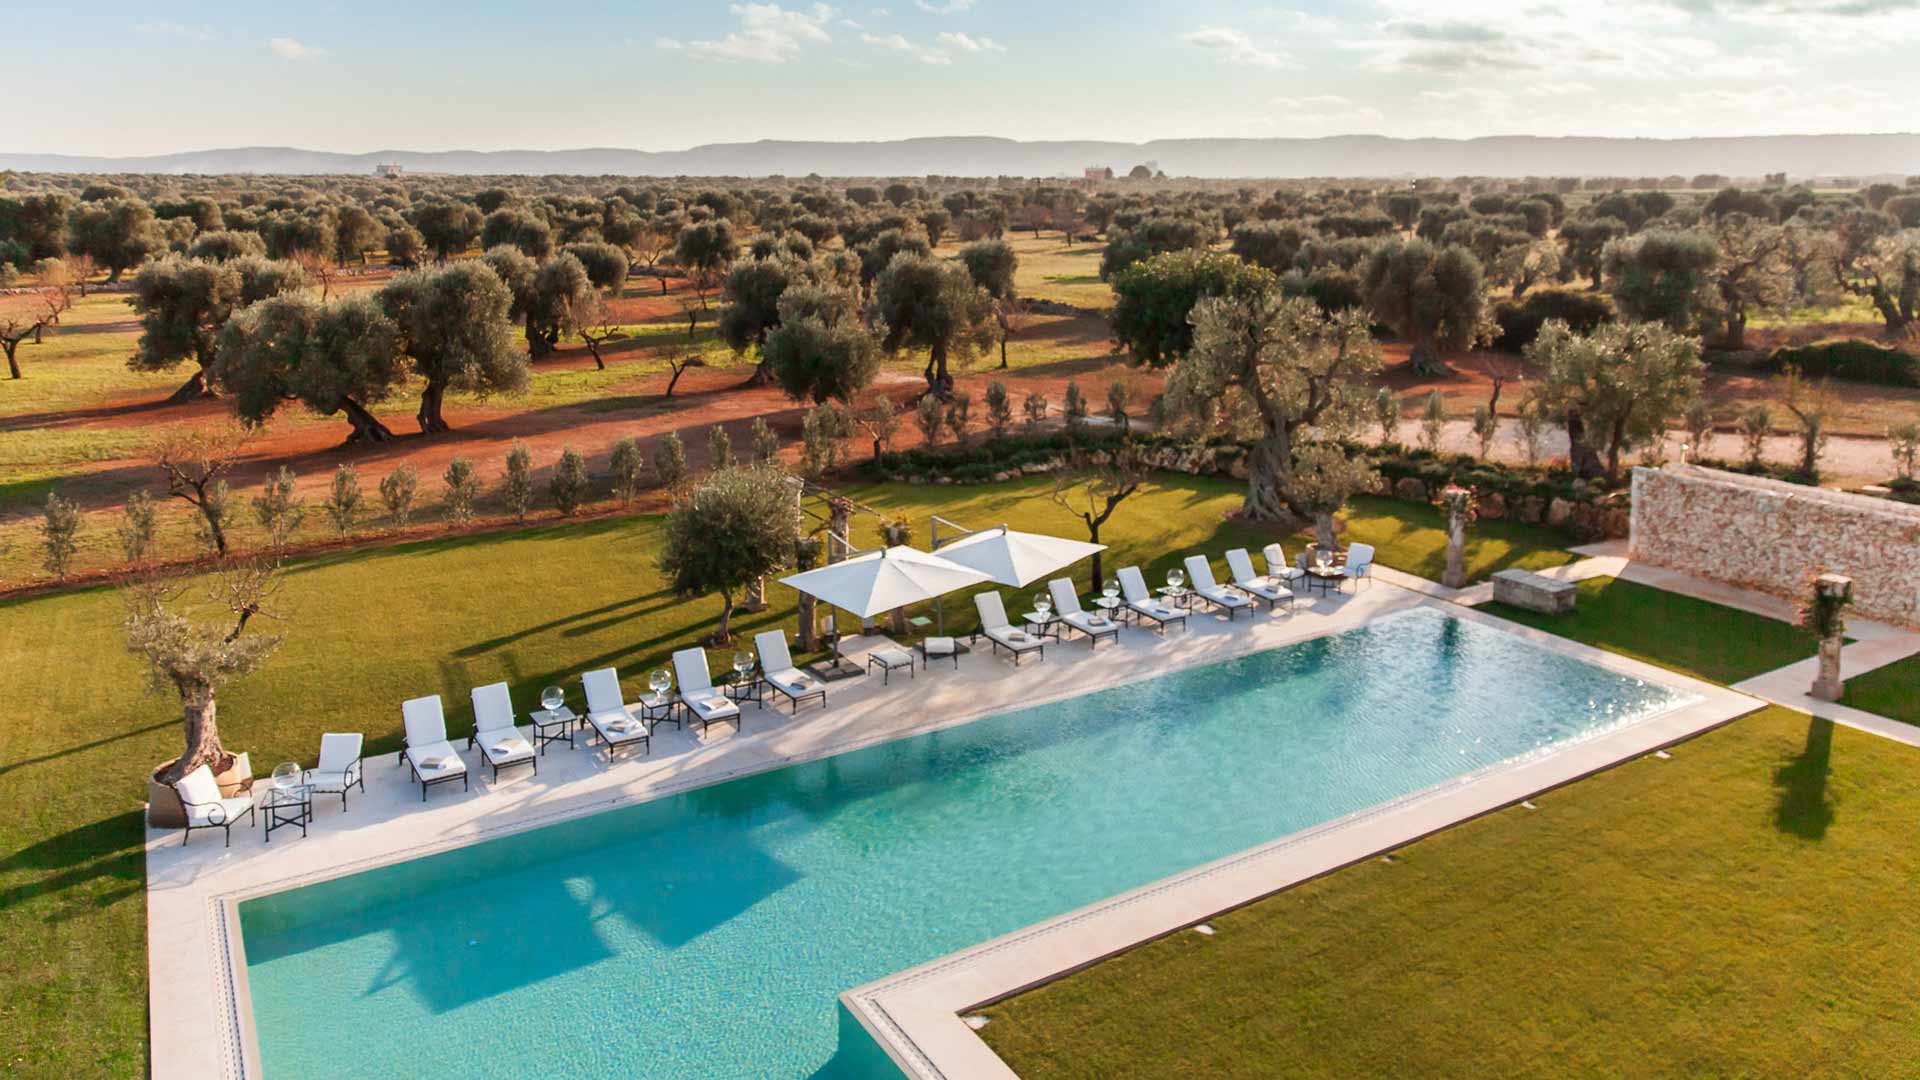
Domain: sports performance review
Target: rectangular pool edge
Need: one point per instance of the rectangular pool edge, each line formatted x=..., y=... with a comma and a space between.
x=915, y=1015
x=868, y=719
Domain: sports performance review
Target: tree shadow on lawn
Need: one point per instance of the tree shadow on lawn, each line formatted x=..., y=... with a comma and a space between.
x=108, y=849
x=1804, y=808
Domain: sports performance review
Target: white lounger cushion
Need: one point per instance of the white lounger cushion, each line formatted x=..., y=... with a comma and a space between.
x=1066, y=603
x=618, y=727
x=436, y=760
x=492, y=709
x=777, y=667
x=1200, y=575
x=994, y=624
x=502, y=747
x=206, y=805
x=696, y=686
x=1241, y=564
x=603, y=695
x=710, y=705
x=426, y=725
x=1134, y=588
x=1277, y=564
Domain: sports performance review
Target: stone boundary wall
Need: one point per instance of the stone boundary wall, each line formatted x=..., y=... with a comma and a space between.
x=1773, y=536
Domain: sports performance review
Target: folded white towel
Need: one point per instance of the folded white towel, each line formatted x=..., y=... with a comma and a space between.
x=1016, y=635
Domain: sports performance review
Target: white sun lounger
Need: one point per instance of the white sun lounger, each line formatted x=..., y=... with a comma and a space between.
x=1278, y=568
x=1066, y=604
x=206, y=808
x=709, y=706
x=429, y=754
x=1133, y=588
x=609, y=715
x=493, y=728
x=777, y=668
x=339, y=767
x=1265, y=588
x=1200, y=579
x=1003, y=634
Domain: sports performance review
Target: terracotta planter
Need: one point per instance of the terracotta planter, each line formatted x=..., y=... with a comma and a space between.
x=163, y=802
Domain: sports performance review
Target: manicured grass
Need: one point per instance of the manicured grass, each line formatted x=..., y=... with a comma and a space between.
x=1413, y=538
x=1733, y=911
x=365, y=630
x=1892, y=691
x=1678, y=632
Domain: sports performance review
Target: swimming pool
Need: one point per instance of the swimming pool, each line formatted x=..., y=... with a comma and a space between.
x=707, y=934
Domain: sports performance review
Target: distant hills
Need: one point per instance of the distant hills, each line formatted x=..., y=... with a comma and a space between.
x=1343, y=155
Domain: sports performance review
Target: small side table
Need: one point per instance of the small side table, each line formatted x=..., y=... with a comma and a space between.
x=741, y=689
x=1113, y=608
x=1178, y=596
x=286, y=806
x=552, y=725
x=655, y=708
x=1042, y=626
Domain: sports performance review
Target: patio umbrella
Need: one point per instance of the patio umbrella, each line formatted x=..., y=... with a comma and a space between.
x=876, y=583
x=1016, y=558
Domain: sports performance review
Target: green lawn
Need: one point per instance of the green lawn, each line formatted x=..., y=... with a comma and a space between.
x=1893, y=690
x=1673, y=631
x=1733, y=911
x=367, y=629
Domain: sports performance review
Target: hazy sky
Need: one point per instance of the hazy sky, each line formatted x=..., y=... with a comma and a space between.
x=111, y=77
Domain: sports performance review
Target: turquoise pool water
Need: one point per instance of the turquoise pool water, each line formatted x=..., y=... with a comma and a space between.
x=709, y=934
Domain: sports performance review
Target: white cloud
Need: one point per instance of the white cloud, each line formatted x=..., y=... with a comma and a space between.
x=163, y=28
x=767, y=33
x=287, y=48
x=964, y=43
x=944, y=7
x=899, y=43
x=1234, y=47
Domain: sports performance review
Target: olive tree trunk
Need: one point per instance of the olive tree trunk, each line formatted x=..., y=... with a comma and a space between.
x=202, y=731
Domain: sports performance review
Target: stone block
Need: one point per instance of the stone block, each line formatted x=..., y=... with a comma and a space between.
x=1526, y=589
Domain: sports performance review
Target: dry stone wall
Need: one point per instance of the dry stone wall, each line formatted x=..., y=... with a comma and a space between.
x=1773, y=536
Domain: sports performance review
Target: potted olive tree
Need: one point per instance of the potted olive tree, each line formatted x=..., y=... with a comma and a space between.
x=192, y=648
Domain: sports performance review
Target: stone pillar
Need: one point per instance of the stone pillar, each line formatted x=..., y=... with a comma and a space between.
x=1835, y=590
x=1455, y=576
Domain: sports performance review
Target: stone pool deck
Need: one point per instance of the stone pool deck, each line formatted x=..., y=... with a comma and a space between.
x=202, y=1027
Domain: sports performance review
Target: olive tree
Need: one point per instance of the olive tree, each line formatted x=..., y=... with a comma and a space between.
x=1155, y=298
x=184, y=303
x=1284, y=372
x=453, y=327
x=813, y=358
x=737, y=526
x=932, y=304
x=118, y=234
x=1661, y=275
x=1752, y=271
x=1431, y=296
x=1614, y=388
x=706, y=249
x=194, y=649
x=753, y=289
x=332, y=358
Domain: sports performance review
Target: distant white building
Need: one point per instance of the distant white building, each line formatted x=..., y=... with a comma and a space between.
x=388, y=170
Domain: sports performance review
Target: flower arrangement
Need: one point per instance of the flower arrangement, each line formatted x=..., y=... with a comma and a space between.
x=1823, y=613
x=1461, y=502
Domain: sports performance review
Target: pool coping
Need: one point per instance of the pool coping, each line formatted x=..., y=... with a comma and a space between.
x=917, y=1016
x=202, y=1024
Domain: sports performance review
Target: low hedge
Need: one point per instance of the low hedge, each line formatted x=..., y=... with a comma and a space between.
x=1854, y=360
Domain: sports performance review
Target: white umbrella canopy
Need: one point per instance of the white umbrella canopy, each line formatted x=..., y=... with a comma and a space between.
x=1015, y=558
x=873, y=584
